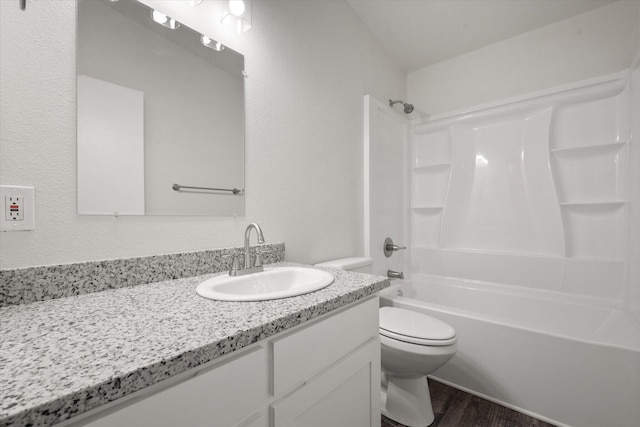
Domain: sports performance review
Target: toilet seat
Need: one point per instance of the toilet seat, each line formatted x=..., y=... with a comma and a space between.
x=415, y=328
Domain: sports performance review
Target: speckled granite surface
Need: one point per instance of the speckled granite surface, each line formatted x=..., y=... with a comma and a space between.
x=62, y=357
x=27, y=285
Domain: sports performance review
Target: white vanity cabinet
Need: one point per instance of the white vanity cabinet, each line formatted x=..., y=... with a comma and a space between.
x=323, y=372
x=333, y=368
x=230, y=393
x=347, y=394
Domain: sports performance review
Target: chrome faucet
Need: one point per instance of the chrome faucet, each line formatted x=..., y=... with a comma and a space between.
x=247, y=235
x=248, y=268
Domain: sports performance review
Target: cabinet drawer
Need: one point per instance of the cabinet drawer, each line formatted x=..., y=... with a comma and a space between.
x=300, y=355
x=221, y=396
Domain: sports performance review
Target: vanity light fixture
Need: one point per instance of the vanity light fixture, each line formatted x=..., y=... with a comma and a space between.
x=210, y=43
x=164, y=20
x=238, y=15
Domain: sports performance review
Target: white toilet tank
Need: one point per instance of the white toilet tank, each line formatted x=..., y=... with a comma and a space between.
x=358, y=264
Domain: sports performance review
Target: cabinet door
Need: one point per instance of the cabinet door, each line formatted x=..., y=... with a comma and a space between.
x=303, y=353
x=225, y=395
x=346, y=394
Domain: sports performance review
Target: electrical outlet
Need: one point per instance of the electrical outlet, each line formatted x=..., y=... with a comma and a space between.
x=17, y=212
x=14, y=208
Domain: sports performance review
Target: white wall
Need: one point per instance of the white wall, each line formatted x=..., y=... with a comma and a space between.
x=309, y=65
x=591, y=44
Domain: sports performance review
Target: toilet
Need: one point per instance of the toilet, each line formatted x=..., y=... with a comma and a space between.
x=413, y=345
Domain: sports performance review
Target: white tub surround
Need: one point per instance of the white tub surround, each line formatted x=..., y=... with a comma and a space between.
x=566, y=361
x=634, y=191
x=534, y=191
x=530, y=192
x=63, y=357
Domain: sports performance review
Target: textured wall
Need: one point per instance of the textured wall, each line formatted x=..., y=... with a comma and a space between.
x=309, y=64
x=595, y=43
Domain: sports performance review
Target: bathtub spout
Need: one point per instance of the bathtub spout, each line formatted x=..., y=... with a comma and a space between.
x=395, y=274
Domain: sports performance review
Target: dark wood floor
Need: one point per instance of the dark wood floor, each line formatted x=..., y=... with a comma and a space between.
x=455, y=408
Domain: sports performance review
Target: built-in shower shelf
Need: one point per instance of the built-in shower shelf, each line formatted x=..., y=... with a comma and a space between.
x=601, y=260
x=431, y=166
x=588, y=149
x=600, y=204
x=427, y=209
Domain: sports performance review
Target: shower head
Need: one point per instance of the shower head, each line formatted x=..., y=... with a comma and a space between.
x=408, y=108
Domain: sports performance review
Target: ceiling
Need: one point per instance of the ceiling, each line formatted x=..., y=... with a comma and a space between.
x=419, y=33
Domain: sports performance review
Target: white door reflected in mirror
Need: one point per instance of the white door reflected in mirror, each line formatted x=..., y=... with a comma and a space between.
x=187, y=126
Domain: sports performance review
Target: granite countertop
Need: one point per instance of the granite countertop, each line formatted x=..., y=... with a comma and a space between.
x=62, y=357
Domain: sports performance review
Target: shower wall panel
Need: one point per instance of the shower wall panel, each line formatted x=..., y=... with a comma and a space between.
x=530, y=192
x=634, y=205
x=386, y=139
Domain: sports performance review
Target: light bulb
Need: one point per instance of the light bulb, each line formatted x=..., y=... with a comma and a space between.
x=237, y=15
x=211, y=44
x=164, y=20
x=159, y=17
x=236, y=7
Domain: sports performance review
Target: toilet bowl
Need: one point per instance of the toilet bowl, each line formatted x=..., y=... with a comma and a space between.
x=412, y=346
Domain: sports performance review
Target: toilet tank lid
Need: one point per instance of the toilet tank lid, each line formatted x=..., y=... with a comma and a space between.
x=346, y=263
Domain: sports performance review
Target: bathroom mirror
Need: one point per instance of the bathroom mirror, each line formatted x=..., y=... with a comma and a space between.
x=158, y=112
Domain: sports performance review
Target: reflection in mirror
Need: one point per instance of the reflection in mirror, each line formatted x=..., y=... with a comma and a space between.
x=156, y=107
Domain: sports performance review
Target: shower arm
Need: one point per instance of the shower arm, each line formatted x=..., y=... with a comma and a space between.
x=407, y=108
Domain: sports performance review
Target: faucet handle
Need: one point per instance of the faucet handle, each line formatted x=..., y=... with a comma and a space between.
x=235, y=266
x=389, y=247
x=259, y=255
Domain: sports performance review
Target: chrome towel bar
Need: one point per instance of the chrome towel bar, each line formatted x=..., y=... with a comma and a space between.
x=178, y=187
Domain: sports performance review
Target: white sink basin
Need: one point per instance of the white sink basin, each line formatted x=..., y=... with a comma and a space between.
x=272, y=283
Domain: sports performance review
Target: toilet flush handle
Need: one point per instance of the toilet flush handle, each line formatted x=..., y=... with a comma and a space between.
x=389, y=248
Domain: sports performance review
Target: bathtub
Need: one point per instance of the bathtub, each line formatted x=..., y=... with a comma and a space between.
x=559, y=358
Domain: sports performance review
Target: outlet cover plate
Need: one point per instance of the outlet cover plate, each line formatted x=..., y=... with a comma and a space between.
x=28, y=207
